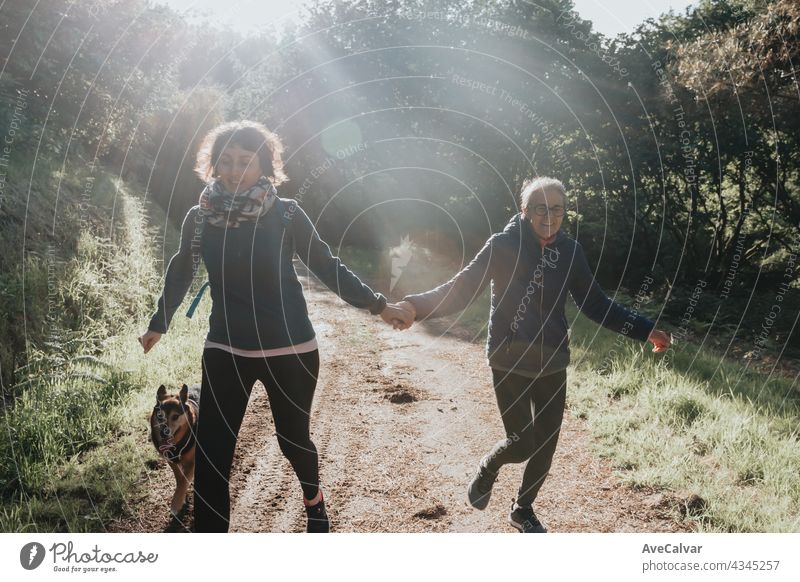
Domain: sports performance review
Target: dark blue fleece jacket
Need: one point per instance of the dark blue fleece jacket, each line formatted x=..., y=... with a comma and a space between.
x=528, y=330
x=257, y=300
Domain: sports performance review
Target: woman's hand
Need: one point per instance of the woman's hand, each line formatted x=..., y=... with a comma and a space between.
x=149, y=339
x=661, y=340
x=398, y=315
x=408, y=306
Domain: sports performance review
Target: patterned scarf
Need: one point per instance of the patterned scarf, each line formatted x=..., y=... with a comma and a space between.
x=223, y=209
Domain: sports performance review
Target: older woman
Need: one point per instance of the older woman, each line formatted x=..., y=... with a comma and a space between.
x=531, y=265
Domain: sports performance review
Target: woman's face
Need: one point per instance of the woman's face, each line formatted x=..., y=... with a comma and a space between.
x=239, y=169
x=545, y=212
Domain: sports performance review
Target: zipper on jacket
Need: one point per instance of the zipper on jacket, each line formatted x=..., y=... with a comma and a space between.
x=541, y=319
x=512, y=334
x=510, y=337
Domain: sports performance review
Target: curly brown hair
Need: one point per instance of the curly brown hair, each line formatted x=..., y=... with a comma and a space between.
x=249, y=135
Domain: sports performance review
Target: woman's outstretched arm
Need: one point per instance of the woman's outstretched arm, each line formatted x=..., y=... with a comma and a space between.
x=458, y=292
x=597, y=306
x=180, y=272
x=316, y=255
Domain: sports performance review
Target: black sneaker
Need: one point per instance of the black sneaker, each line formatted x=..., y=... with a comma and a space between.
x=317, y=518
x=525, y=520
x=480, y=490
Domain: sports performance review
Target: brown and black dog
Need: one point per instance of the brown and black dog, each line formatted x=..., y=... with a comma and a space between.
x=173, y=429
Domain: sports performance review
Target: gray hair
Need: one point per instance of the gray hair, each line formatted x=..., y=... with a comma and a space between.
x=542, y=183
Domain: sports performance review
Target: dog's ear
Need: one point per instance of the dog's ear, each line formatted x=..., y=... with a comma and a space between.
x=184, y=393
x=162, y=393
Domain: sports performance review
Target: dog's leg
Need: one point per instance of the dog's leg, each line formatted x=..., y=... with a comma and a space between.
x=189, y=470
x=181, y=488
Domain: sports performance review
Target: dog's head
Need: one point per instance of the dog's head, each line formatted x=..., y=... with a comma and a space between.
x=172, y=417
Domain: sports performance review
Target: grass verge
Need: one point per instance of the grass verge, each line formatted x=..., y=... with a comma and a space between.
x=75, y=450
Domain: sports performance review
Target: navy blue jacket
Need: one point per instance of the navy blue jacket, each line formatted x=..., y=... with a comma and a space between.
x=528, y=330
x=257, y=300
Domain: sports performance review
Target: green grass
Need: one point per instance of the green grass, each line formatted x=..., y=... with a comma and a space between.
x=694, y=424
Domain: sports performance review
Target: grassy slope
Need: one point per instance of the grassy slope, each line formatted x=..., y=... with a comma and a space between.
x=75, y=447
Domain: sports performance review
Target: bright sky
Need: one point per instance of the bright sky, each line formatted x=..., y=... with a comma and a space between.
x=245, y=16
x=612, y=17
x=609, y=16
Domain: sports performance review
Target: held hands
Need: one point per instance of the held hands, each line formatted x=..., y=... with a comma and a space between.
x=149, y=339
x=399, y=315
x=661, y=340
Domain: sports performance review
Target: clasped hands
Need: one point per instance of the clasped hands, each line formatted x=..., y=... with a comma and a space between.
x=399, y=315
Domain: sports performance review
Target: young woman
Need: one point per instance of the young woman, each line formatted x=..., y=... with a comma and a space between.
x=259, y=327
x=532, y=265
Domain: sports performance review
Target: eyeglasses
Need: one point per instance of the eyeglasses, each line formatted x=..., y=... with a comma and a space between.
x=543, y=210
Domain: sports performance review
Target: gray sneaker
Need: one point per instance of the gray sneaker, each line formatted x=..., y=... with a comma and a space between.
x=525, y=520
x=480, y=490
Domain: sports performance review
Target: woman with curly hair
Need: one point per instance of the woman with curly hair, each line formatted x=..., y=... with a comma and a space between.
x=259, y=327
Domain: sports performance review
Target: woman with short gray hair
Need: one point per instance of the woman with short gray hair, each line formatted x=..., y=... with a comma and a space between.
x=532, y=265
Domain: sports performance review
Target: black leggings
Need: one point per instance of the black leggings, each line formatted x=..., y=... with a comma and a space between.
x=227, y=381
x=532, y=410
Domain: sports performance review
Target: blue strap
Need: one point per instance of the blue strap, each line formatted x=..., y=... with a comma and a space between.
x=196, y=300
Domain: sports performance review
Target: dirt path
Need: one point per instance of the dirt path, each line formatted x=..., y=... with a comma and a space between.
x=400, y=420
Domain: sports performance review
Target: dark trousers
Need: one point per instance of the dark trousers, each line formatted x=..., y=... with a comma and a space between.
x=532, y=411
x=227, y=381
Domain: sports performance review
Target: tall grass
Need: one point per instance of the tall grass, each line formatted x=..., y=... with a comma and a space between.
x=721, y=438
x=75, y=436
